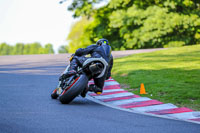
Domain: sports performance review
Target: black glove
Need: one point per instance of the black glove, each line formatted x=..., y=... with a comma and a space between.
x=61, y=77
x=68, y=74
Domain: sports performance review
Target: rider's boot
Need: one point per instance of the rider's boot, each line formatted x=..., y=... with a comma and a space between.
x=95, y=89
x=92, y=88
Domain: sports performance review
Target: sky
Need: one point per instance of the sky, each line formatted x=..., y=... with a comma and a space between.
x=28, y=21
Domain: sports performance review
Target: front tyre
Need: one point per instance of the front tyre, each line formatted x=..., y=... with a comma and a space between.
x=54, y=94
x=74, y=90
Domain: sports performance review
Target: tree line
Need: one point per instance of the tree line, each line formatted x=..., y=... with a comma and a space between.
x=22, y=49
x=134, y=24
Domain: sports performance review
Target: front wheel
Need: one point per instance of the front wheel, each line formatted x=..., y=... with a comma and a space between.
x=74, y=89
x=54, y=94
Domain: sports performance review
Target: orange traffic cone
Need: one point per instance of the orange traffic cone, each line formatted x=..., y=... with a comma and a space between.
x=142, y=89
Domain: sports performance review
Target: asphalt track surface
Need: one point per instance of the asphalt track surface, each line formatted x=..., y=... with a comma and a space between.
x=26, y=107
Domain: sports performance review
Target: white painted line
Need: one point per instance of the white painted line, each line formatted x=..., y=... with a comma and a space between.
x=113, y=95
x=113, y=90
x=186, y=115
x=126, y=101
x=107, y=80
x=111, y=83
x=154, y=107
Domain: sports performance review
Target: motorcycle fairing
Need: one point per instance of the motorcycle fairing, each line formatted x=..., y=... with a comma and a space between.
x=103, y=61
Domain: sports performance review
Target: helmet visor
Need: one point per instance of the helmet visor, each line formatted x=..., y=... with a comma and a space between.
x=101, y=43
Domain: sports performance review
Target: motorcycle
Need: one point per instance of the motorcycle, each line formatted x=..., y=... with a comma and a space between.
x=71, y=87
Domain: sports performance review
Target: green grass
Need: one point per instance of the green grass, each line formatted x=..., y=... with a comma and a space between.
x=170, y=76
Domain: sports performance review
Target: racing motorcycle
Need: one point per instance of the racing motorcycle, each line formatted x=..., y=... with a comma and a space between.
x=71, y=87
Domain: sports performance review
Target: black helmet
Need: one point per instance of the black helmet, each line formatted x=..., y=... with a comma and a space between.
x=102, y=42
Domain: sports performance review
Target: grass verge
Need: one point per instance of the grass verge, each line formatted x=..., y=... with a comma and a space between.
x=170, y=76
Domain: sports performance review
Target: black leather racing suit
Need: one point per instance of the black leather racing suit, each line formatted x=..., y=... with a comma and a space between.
x=95, y=51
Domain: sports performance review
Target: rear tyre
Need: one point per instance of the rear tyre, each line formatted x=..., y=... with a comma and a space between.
x=78, y=85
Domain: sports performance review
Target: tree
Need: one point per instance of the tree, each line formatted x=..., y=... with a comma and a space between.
x=77, y=37
x=18, y=49
x=63, y=49
x=83, y=7
x=49, y=49
x=132, y=24
x=26, y=49
x=34, y=48
x=5, y=49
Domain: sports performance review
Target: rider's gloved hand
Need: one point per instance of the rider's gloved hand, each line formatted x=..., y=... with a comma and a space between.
x=60, y=78
x=69, y=73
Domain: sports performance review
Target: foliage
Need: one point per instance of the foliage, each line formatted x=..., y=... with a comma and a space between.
x=5, y=49
x=132, y=24
x=83, y=7
x=21, y=49
x=154, y=27
x=48, y=49
x=63, y=49
x=79, y=37
x=170, y=76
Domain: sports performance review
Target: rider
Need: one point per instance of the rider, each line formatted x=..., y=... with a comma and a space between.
x=101, y=49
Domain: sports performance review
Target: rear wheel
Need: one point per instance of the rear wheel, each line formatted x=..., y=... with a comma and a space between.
x=74, y=89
